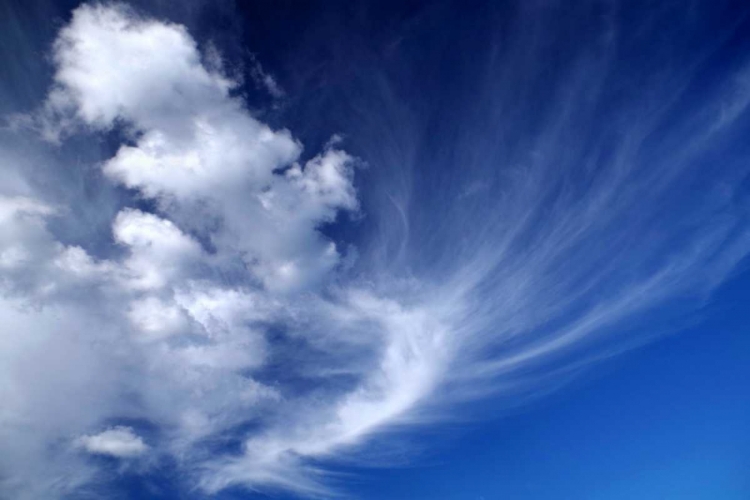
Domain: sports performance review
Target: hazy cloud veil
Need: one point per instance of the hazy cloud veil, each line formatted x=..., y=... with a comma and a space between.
x=217, y=324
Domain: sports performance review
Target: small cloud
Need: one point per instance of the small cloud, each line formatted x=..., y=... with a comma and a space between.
x=265, y=80
x=119, y=442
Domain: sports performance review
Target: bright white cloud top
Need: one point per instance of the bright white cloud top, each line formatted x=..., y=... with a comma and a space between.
x=118, y=442
x=221, y=249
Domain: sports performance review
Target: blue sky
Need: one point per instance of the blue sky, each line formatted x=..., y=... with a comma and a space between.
x=374, y=250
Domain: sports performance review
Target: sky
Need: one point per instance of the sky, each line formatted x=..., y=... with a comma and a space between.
x=374, y=250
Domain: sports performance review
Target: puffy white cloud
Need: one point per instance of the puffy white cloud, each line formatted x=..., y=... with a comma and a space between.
x=158, y=72
x=156, y=318
x=119, y=442
x=194, y=149
x=75, y=261
x=159, y=251
x=195, y=145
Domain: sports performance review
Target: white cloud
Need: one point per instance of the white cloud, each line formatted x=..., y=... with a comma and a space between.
x=219, y=308
x=75, y=261
x=198, y=147
x=158, y=319
x=159, y=251
x=153, y=57
x=119, y=442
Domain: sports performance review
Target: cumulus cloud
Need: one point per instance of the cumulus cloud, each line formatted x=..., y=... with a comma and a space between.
x=196, y=146
x=157, y=248
x=233, y=200
x=119, y=442
x=218, y=311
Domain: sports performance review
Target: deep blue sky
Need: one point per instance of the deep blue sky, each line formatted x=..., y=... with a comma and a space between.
x=573, y=177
